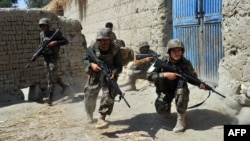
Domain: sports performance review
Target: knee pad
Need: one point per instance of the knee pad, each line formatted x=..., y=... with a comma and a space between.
x=181, y=99
x=51, y=67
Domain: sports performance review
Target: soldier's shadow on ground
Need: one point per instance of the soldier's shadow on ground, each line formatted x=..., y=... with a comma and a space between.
x=151, y=123
x=72, y=94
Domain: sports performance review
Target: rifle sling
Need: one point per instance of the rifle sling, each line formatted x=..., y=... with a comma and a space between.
x=196, y=105
x=110, y=90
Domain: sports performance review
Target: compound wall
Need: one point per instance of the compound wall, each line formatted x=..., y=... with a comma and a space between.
x=134, y=20
x=19, y=41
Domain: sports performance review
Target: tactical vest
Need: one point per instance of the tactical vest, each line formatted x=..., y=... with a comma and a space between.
x=49, y=50
x=108, y=57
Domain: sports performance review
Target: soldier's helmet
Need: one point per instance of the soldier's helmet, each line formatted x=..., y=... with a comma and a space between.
x=103, y=33
x=45, y=21
x=175, y=43
x=142, y=46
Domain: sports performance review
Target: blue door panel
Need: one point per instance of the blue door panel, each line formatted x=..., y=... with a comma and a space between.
x=212, y=11
x=188, y=36
x=198, y=24
x=184, y=12
x=213, y=51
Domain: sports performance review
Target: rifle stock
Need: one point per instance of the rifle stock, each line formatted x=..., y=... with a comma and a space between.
x=106, y=73
x=41, y=48
x=161, y=64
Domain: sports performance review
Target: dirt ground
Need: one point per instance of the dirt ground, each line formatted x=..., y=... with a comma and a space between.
x=66, y=119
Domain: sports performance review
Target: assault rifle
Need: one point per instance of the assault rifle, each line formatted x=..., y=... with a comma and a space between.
x=161, y=64
x=141, y=56
x=106, y=73
x=43, y=47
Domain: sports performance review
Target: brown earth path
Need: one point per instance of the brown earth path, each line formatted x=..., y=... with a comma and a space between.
x=66, y=120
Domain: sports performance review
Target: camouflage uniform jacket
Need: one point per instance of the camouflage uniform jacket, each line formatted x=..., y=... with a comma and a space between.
x=142, y=64
x=165, y=85
x=112, y=58
x=52, y=51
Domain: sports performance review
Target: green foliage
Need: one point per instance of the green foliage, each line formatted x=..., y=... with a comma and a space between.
x=7, y=3
x=36, y=3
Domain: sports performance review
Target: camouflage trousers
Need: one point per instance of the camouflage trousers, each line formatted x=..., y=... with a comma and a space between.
x=164, y=100
x=136, y=74
x=107, y=99
x=52, y=76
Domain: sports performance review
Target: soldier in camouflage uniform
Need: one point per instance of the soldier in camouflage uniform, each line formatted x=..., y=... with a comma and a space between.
x=118, y=42
x=112, y=34
x=51, y=56
x=110, y=54
x=138, y=69
x=169, y=85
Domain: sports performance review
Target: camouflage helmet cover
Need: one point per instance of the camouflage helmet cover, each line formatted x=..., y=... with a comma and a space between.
x=45, y=21
x=142, y=44
x=174, y=43
x=103, y=33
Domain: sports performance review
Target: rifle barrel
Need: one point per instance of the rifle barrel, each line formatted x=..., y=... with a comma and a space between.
x=26, y=66
x=125, y=101
x=218, y=93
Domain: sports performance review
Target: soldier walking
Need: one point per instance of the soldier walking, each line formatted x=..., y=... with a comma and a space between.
x=110, y=54
x=51, y=56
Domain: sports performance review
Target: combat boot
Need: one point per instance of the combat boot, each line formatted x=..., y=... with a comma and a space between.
x=168, y=110
x=180, y=124
x=101, y=123
x=48, y=99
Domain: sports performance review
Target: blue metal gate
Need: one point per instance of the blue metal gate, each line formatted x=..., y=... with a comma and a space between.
x=198, y=24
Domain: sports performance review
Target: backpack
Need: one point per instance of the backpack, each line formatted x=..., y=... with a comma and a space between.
x=127, y=53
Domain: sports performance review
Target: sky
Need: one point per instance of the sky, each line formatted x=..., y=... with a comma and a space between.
x=21, y=4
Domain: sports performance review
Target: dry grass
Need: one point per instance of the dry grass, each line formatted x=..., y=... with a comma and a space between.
x=57, y=5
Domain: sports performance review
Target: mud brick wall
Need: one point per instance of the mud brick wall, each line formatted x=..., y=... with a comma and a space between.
x=19, y=41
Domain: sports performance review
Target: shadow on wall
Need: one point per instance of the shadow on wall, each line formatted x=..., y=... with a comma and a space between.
x=11, y=96
x=72, y=94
